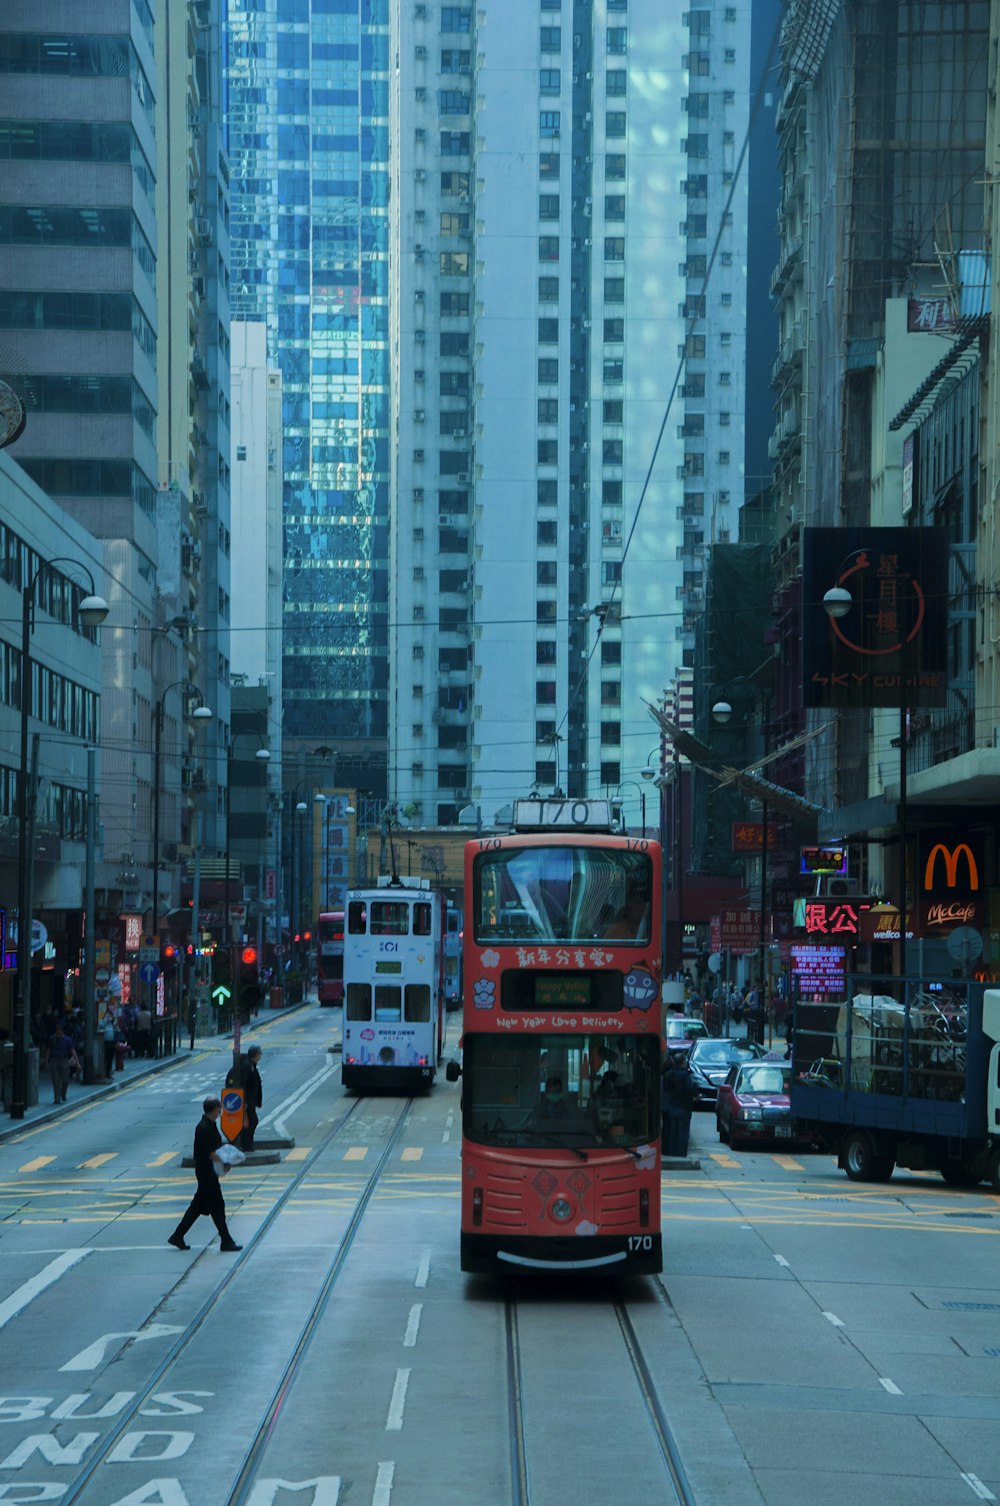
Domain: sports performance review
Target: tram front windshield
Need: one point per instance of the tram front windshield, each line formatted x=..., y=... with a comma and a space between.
x=572, y=1090
x=563, y=894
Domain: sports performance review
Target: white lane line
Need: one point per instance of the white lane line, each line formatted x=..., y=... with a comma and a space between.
x=296, y=1100
x=383, y=1484
x=832, y=1318
x=781, y=1260
x=394, y=1421
x=413, y=1326
x=423, y=1269
x=889, y=1385
x=446, y=1137
x=978, y=1488
x=27, y=1293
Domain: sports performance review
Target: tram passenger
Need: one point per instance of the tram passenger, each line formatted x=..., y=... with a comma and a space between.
x=631, y=923
x=554, y=1104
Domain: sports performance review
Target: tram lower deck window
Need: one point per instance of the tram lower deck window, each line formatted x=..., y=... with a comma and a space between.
x=388, y=1003
x=417, y=1003
x=359, y=1001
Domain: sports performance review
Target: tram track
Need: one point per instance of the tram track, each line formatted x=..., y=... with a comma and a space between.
x=681, y=1490
x=242, y=1486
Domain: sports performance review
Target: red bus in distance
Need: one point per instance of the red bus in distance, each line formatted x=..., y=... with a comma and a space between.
x=330, y=957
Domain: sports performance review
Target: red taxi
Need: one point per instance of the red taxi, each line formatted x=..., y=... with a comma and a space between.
x=753, y=1103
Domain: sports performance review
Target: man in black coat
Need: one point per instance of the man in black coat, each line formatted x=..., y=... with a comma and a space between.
x=248, y=1078
x=208, y=1169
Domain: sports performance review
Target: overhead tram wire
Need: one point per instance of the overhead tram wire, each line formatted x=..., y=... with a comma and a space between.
x=755, y=109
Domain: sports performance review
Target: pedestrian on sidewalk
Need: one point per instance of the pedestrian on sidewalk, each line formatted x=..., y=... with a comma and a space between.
x=109, y=1034
x=676, y=1102
x=60, y=1058
x=208, y=1169
x=143, y=1032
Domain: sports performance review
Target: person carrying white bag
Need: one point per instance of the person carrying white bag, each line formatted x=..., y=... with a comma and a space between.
x=212, y=1161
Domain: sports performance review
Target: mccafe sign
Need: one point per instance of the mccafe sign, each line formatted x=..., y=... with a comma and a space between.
x=951, y=883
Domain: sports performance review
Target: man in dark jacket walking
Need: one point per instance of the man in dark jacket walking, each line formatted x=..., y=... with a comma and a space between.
x=208, y=1169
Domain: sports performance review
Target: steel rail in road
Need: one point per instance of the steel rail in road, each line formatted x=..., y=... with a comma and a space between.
x=665, y=1441
x=682, y=1491
x=243, y=1484
x=75, y=1489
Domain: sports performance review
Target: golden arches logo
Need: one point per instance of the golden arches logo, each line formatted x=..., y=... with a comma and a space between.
x=951, y=857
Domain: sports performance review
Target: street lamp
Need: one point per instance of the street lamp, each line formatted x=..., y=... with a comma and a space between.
x=295, y=897
x=642, y=798
x=722, y=714
x=262, y=756
x=92, y=611
x=200, y=713
x=837, y=602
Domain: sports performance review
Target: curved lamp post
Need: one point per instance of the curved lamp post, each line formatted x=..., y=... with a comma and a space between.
x=92, y=611
x=295, y=905
x=199, y=713
x=837, y=602
x=722, y=714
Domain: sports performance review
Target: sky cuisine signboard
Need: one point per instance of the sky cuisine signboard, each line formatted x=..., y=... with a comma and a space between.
x=889, y=648
x=951, y=883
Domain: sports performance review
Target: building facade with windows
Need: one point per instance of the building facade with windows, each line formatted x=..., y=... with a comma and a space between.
x=307, y=118
x=114, y=323
x=569, y=226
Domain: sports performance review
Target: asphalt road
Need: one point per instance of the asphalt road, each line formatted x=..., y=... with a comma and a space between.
x=811, y=1340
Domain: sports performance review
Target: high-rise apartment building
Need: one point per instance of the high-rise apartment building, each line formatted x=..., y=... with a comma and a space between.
x=568, y=226
x=114, y=332
x=308, y=140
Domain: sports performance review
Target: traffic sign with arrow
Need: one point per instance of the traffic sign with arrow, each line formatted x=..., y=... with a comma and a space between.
x=220, y=993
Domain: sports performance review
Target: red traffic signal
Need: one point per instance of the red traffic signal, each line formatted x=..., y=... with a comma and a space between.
x=249, y=956
x=169, y=953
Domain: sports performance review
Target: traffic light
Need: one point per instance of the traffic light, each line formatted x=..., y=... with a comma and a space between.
x=222, y=967
x=249, y=982
x=168, y=960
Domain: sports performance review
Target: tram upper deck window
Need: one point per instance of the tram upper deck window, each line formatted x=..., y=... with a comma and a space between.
x=390, y=918
x=563, y=894
x=357, y=917
x=422, y=919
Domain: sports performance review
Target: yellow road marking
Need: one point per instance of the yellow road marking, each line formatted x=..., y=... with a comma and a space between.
x=412, y=1153
x=161, y=1160
x=299, y=1153
x=96, y=1161
x=37, y=1163
x=355, y=1152
x=788, y=1163
x=726, y=1161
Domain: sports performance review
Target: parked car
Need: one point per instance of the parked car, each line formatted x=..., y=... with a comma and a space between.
x=753, y=1104
x=709, y=1061
x=682, y=1033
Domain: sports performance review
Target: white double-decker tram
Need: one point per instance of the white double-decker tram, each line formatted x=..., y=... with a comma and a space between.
x=393, y=985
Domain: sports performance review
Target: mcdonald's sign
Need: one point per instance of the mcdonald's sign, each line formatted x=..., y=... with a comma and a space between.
x=950, y=856
x=950, y=890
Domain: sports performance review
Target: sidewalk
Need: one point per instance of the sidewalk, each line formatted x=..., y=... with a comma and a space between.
x=136, y=1068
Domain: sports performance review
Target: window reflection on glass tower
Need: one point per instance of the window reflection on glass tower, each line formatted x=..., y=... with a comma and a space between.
x=307, y=117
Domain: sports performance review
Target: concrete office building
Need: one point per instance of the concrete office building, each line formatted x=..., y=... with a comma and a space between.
x=103, y=331
x=558, y=185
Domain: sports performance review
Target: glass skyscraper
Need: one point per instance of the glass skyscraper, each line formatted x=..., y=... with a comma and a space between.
x=307, y=115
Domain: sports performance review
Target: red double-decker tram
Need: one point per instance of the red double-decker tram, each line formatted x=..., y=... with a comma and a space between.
x=561, y=1045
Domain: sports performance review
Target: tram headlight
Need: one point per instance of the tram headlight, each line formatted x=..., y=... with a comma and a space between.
x=561, y=1209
